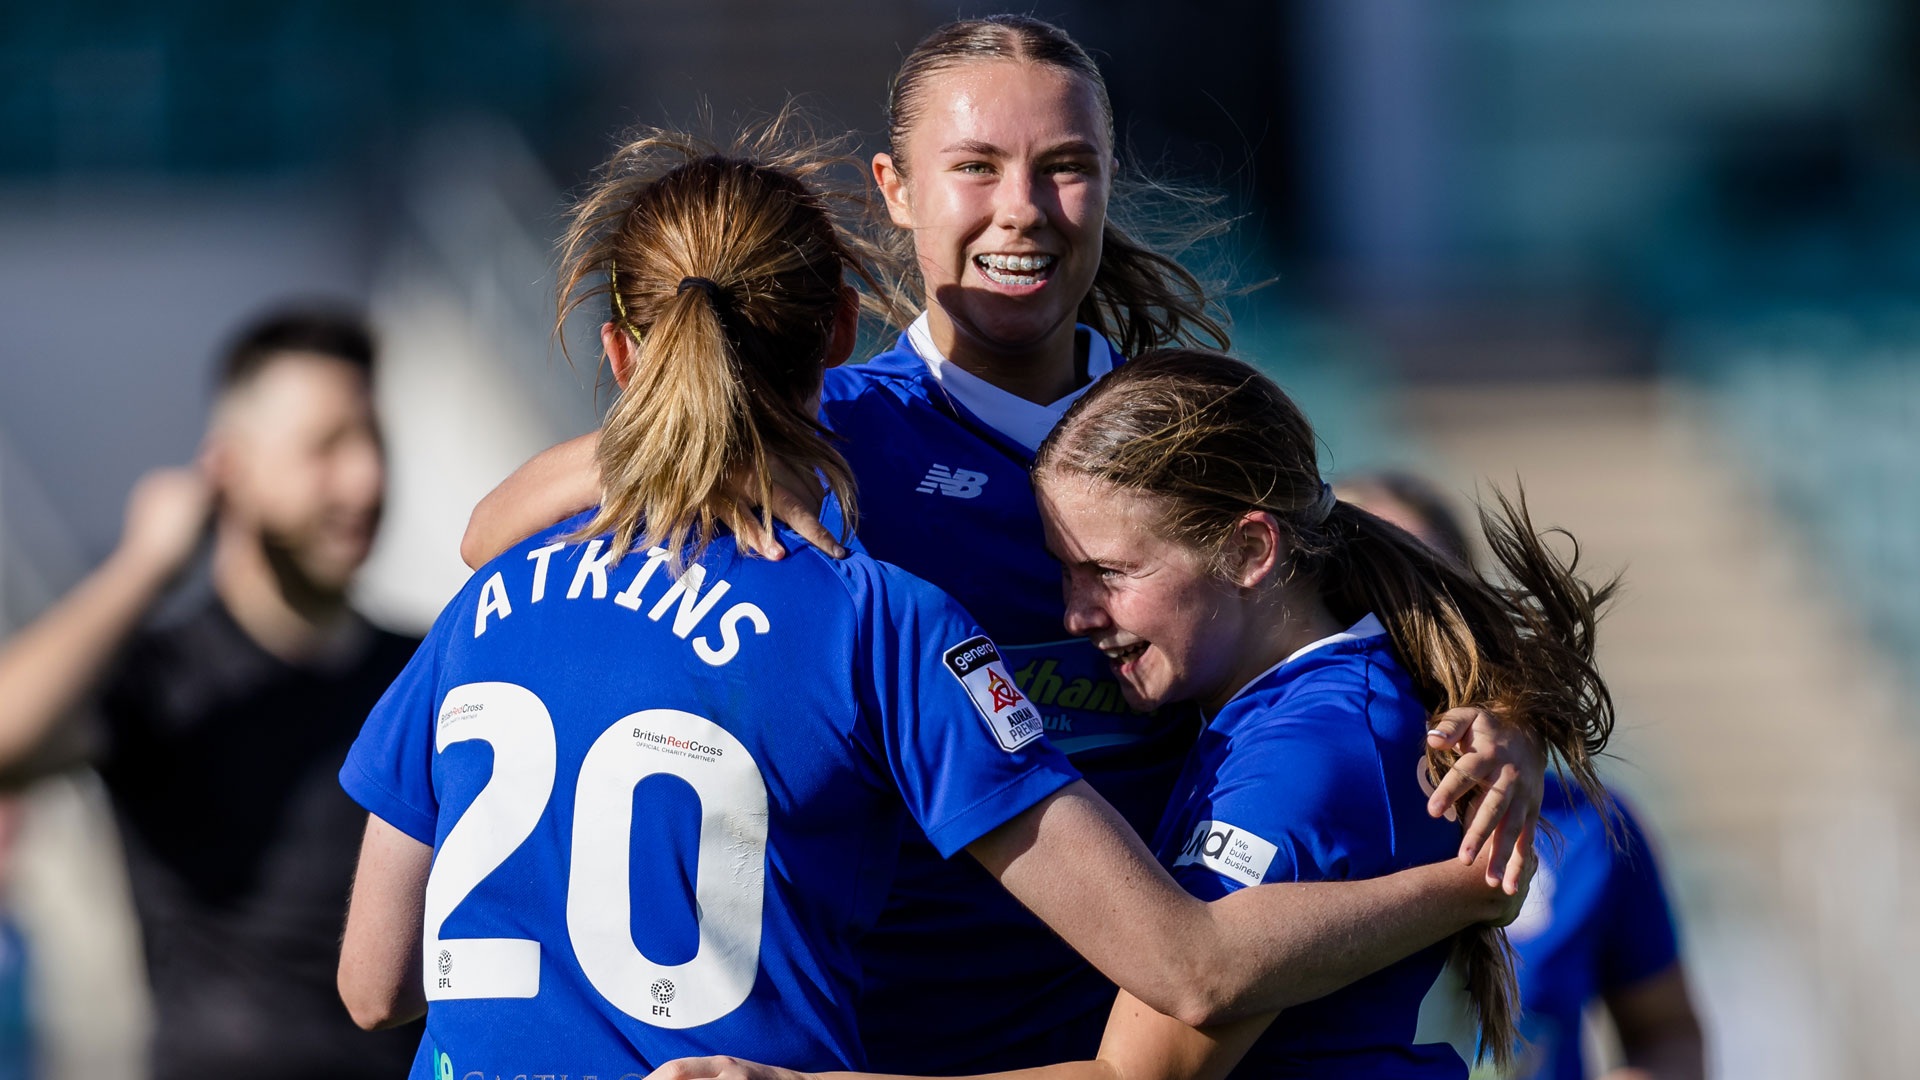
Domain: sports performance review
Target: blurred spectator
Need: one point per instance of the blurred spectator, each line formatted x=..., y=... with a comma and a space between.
x=220, y=734
x=1596, y=924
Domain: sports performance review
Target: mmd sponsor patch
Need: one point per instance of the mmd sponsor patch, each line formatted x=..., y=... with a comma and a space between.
x=1012, y=718
x=1229, y=850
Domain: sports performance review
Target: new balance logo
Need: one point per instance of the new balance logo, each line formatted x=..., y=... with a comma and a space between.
x=959, y=483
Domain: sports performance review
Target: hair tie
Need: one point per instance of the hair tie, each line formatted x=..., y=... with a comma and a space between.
x=1323, y=506
x=715, y=295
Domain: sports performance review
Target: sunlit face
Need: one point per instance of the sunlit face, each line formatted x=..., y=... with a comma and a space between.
x=1171, y=628
x=1005, y=188
x=298, y=457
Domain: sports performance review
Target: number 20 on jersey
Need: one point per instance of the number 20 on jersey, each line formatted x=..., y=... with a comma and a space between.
x=729, y=890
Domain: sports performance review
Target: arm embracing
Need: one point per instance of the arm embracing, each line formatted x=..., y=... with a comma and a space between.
x=1077, y=865
x=554, y=484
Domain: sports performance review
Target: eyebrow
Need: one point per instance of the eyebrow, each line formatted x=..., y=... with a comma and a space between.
x=973, y=146
x=987, y=149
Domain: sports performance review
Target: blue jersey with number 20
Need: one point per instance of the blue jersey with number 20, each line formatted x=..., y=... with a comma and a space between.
x=1314, y=773
x=664, y=806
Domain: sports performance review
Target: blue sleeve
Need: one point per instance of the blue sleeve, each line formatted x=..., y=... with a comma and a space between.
x=958, y=739
x=389, y=769
x=1286, y=802
x=1637, y=940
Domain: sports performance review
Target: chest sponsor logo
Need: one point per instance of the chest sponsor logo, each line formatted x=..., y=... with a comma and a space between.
x=1079, y=701
x=1011, y=717
x=959, y=483
x=1229, y=851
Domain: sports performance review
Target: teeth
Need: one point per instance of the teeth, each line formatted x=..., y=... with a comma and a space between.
x=1125, y=651
x=1016, y=262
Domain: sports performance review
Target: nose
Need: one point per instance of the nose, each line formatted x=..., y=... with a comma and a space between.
x=1016, y=204
x=1085, y=614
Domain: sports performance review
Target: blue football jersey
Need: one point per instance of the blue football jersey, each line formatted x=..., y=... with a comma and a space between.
x=664, y=806
x=1315, y=773
x=960, y=977
x=1596, y=919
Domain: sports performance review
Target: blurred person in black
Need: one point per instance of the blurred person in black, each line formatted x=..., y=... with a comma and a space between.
x=1597, y=925
x=219, y=735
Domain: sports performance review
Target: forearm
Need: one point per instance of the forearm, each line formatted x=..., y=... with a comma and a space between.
x=51, y=665
x=1076, y=864
x=556, y=483
x=1278, y=945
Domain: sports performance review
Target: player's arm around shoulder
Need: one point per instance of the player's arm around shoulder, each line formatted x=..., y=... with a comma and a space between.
x=1267, y=941
x=1076, y=864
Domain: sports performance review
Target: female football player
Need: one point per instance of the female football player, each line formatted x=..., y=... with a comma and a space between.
x=997, y=177
x=638, y=796
x=1208, y=561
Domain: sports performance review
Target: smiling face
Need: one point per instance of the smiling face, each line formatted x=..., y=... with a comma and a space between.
x=1172, y=628
x=1004, y=184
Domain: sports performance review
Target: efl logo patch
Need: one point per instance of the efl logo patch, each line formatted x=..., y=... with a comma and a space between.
x=1229, y=850
x=1012, y=718
x=959, y=483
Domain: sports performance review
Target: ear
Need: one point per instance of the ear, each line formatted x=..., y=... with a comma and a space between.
x=846, y=329
x=619, y=345
x=1255, y=549
x=893, y=187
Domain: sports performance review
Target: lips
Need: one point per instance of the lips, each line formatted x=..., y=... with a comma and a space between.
x=1016, y=270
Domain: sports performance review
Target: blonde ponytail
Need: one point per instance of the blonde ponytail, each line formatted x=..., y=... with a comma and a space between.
x=729, y=270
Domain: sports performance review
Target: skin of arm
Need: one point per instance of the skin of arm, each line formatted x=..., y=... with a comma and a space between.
x=380, y=965
x=50, y=667
x=1139, y=1044
x=1143, y=1042
x=1076, y=864
x=1658, y=1028
x=552, y=486
x=563, y=480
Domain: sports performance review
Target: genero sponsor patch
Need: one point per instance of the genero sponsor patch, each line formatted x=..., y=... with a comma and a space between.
x=1228, y=850
x=1012, y=718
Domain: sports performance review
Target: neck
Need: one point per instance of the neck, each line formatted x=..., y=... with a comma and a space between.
x=1043, y=372
x=280, y=608
x=1298, y=619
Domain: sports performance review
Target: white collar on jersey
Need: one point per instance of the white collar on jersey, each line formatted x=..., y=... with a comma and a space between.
x=1367, y=627
x=1009, y=414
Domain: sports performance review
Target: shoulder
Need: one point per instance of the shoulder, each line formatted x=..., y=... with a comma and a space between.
x=1321, y=730
x=1337, y=693
x=891, y=376
x=884, y=587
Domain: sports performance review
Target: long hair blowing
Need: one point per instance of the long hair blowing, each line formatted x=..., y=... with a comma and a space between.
x=1214, y=439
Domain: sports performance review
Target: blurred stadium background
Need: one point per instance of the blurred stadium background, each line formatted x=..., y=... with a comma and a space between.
x=1659, y=259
